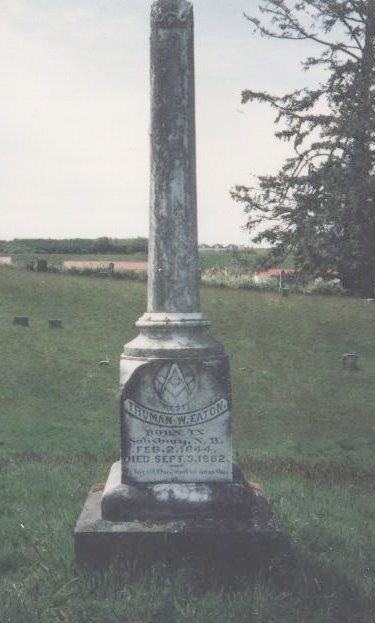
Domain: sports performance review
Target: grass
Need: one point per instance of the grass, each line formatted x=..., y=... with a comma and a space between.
x=303, y=428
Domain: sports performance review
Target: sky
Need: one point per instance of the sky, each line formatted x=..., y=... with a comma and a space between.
x=74, y=115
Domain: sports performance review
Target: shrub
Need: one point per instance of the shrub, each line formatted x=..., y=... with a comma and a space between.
x=327, y=287
x=230, y=278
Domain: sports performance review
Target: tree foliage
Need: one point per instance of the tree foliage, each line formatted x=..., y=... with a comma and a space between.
x=320, y=205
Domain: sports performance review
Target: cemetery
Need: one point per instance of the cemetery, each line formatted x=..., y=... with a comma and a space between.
x=230, y=476
x=302, y=430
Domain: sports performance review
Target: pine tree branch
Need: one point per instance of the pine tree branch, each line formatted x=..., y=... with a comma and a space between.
x=283, y=13
x=286, y=110
x=334, y=12
x=352, y=33
x=356, y=9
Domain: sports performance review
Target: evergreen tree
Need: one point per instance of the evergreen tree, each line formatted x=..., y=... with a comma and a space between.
x=320, y=206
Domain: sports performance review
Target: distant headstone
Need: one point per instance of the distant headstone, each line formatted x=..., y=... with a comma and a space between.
x=55, y=324
x=21, y=321
x=284, y=290
x=282, y=279
x=349, y=361
x=42, y=266
x=30, y=266
x=111, y=268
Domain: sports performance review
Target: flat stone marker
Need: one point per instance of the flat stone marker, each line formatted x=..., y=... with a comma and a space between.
x=174, y=483
x=55, y=324
x=349, y=361
x=21, y=321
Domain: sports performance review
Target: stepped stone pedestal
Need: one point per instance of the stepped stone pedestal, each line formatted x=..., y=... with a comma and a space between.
x=175, y=489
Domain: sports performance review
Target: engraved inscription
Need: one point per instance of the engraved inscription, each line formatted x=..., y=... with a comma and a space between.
x=176, y=424
x=170, y=19
x=200, y=416
x=175, y=454
x=178, y=447
x=173, y=387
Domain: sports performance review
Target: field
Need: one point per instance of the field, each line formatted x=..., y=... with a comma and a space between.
x=57, y=259
x=303, y=428
x=208, y=258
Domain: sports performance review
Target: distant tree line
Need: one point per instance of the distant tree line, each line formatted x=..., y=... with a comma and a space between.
x=76, y=246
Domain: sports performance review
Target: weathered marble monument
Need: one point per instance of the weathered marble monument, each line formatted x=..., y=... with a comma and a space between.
x=175, y=484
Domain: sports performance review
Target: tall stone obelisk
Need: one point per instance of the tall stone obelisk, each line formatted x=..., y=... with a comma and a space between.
x=175, y=407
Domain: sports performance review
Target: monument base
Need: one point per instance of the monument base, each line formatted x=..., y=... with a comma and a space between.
x=228, y=542
x=179, y=500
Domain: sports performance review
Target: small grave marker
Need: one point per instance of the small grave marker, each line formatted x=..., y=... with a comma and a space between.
x=42, y=266
x=349, y=361
x=21, y=321
x=55, y=324
x=283, y=289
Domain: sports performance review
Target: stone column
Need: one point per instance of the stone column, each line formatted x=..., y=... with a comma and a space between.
x=173, y=247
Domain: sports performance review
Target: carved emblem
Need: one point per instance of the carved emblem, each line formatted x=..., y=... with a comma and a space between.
x=170, y=19
x=173, y=386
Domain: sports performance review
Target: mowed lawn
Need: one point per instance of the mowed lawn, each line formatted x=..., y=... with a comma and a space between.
x=303, y=428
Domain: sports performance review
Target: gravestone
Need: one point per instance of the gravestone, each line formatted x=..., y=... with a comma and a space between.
x=21, y=321
x=349, y=361
x=55, y=323
x=175, y=485
x=42, y=266
x=284, y=290
x=282, y=280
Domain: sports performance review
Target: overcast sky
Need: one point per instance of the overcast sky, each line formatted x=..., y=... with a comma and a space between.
x=74, y=115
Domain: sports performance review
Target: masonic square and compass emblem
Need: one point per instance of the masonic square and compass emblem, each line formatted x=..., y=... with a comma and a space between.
x=175, y=386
